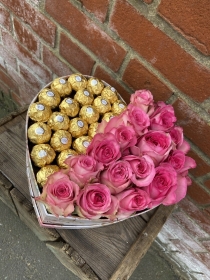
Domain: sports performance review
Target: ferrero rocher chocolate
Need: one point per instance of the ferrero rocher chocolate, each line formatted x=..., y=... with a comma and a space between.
x=95, y=86
x=58, y=120
x=70, y=107
x=118, y=107
x=39, y=112
x=61, y=140
x=61, y=86
x=84, y=97
x=80, y=144
x=89, y=114
x=42, y=154
x=43, y=174
x=102, y=105
x=77, y=81
x=78, y=127
x=63, y=156
x=92, y=129
x=49, y=97
x=39, y=133
x=107, y=116
x=110, y=94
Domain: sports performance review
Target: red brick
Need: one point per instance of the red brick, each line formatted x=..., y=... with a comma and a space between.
x=87, y=32
x=194, y=127
x=202, y=167
x=30, y=78
x=5, y=18
x=26, y=37
x=75, y=55
x=8, y=81
x=162, y=52
x=37, y=21
x=4, y=87
x=148, y=1
x=98, y=7
x=8, y=57
x=25, y=57
x=191, y=18
x=16, y=98
x=207, y=184
x=198, y=194
x=27, y=94
x=54, y=63
x=103, y=75
x=138, y=77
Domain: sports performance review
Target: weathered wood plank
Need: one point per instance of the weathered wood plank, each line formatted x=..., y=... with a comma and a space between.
x=71, y=260
x=139, y=248
x=27, y=215
x=107, y=245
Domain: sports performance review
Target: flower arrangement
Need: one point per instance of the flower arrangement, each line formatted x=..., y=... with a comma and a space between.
x=136, y=161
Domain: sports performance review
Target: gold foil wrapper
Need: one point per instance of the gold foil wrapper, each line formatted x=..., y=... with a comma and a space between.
x=77, y=81
x=70, y=107
x=84, y=97
x=78, y=127
x=43, y=174
x=39, y=112
x=58, y=120
x=61, y=140
x=61, y=86
x=118, y=107
x=89, y=114
x=102, y=105
x=39, y=133
x=109, y=93
x=80, y=144
x=92, y=129
x=108, y=116
x=42, y=154
x=49, y=97
x=95, y=86
x=63, y=156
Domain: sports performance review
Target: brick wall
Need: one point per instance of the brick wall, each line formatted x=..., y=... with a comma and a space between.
x=161, y=45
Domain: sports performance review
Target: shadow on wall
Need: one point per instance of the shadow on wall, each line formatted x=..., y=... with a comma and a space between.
x=7, y=104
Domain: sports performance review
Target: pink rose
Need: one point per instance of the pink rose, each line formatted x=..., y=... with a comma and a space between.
x=180, y=162
x=82, y=169
x=166, y=188
x=138, y=118
x=178, y=139
x=117, y=176
x=156, y=144
x=94, y=200
x=132, y=200
x=142, y=99
x=104, y=148
x=163, y=117
x=59, y=194
x=143, y=169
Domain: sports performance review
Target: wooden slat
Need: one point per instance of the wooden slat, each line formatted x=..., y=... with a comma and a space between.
x=103, y=248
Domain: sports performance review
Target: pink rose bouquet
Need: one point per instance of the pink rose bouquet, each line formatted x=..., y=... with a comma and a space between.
x=136, y=161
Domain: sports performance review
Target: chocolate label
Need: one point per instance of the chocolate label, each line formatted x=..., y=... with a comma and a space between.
x=89, y=110
x=59, y=118
x=40, y=107
x=39, y=131
x=78, y=78
x=94, y=82
x=80, y=124
x=62, y=81
x=69, y=101
x=86, y=93
x=64, y=140
x=42, y=153
x=50, y=94
x=104, y=102
x=113, y=89
x=121, y=105
x=85, y=144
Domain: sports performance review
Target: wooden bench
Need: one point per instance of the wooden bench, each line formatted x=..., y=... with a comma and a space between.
x=112, y=252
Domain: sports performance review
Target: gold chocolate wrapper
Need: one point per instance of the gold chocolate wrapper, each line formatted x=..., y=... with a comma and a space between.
x=58, y=120
x=78, y=127
x=39, y=133
x=102, y=105
x=43, y=174
x=70, y=107
x=77, y=81
x=95, y=86
x=109, y=93
x=61, y=140
x=80, y=144
x=61, y=86
x=63, y=156
x=49, y=98
x=89, y=114
x=92, y=129
x=39, y=112
x=108, y=116
x=118, y=107
x=42, y=154
x=84, y=97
